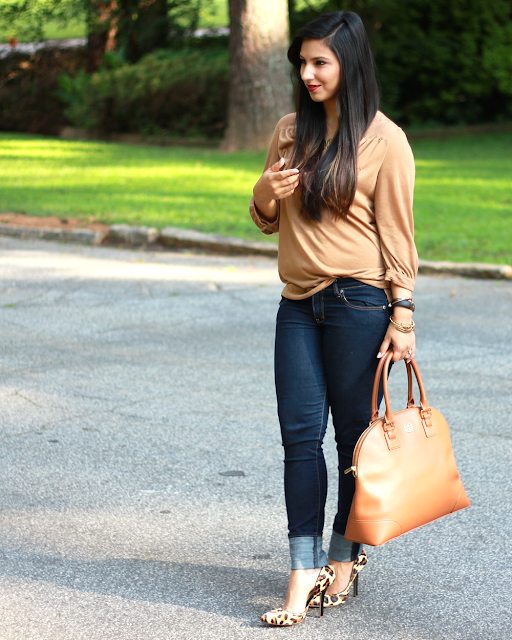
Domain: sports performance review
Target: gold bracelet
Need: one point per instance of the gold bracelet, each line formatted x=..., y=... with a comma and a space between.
x=404, y=328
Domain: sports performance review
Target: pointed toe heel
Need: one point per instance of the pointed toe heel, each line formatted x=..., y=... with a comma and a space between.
x=284, y=618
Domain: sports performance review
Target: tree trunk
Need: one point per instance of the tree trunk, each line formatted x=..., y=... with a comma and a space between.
x=102, y=26
x=136, y=26
x=144, y=27
x=261, y=89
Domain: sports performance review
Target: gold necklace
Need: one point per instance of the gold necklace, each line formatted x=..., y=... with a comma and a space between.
x=328, y=143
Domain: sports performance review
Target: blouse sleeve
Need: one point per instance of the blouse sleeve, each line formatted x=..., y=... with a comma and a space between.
x=393, y=212
x=265, y=225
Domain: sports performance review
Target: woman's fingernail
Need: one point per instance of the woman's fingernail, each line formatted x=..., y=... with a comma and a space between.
x=379, y=355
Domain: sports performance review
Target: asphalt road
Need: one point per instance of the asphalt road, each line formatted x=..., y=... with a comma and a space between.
x=141, y=465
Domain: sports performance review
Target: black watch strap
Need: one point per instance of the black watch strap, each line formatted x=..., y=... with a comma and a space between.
x=404, y=303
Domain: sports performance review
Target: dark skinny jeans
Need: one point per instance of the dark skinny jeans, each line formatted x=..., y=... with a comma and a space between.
x=325, y=359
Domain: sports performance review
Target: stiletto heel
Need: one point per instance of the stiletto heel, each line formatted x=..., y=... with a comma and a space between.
x=283, y=618
x=322, y=603
x=335, y=599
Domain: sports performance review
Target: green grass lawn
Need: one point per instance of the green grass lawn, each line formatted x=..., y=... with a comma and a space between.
x=192, y=188
x=463, y=199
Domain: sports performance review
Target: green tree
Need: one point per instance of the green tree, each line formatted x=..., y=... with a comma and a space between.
x=26, y=18
x=497, y=57
x=133, y=27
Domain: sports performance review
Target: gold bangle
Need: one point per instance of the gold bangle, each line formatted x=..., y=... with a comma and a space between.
x=404, y=328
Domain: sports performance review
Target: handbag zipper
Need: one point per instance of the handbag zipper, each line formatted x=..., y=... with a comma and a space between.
x=359, y=443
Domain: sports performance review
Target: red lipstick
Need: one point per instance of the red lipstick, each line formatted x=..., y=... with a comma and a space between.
x=312, y=87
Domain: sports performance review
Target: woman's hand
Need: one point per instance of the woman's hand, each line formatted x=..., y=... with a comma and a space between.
x=404, y=344
x=275, y=184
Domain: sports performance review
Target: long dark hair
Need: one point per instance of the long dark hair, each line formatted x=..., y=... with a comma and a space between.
x=329, y=181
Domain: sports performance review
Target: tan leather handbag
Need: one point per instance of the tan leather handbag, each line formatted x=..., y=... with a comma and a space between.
x=404, y=467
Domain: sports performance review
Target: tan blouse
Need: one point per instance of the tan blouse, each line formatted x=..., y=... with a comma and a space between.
x=375, y=244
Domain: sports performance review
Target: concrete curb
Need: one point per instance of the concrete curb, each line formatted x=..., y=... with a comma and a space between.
x=78, y=236
x=466, y=269
x=173, y=237
x=131, y=236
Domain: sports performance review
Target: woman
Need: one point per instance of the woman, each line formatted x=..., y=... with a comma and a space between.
x=338, y=186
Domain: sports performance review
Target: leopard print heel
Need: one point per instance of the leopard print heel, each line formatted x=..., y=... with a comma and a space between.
x=283, y=618
x=335, y=599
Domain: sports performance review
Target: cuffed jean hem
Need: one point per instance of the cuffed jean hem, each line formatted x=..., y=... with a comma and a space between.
x=306, y=552
x=343, y=550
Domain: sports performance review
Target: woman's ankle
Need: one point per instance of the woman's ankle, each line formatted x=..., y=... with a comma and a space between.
x=343, y=571
x=341, y=564
x=304, y=572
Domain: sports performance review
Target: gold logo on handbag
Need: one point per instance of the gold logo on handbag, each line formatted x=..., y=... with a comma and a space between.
x=402, y=482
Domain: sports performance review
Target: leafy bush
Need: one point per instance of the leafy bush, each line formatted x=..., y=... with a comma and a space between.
x=28, y=89
x=167, y=92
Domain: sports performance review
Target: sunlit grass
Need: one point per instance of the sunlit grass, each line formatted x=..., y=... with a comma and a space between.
x=199, y=189
x=463, y=197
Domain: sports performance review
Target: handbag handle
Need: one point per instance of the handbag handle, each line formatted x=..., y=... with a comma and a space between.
x=388, y=424
x=410, y=393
